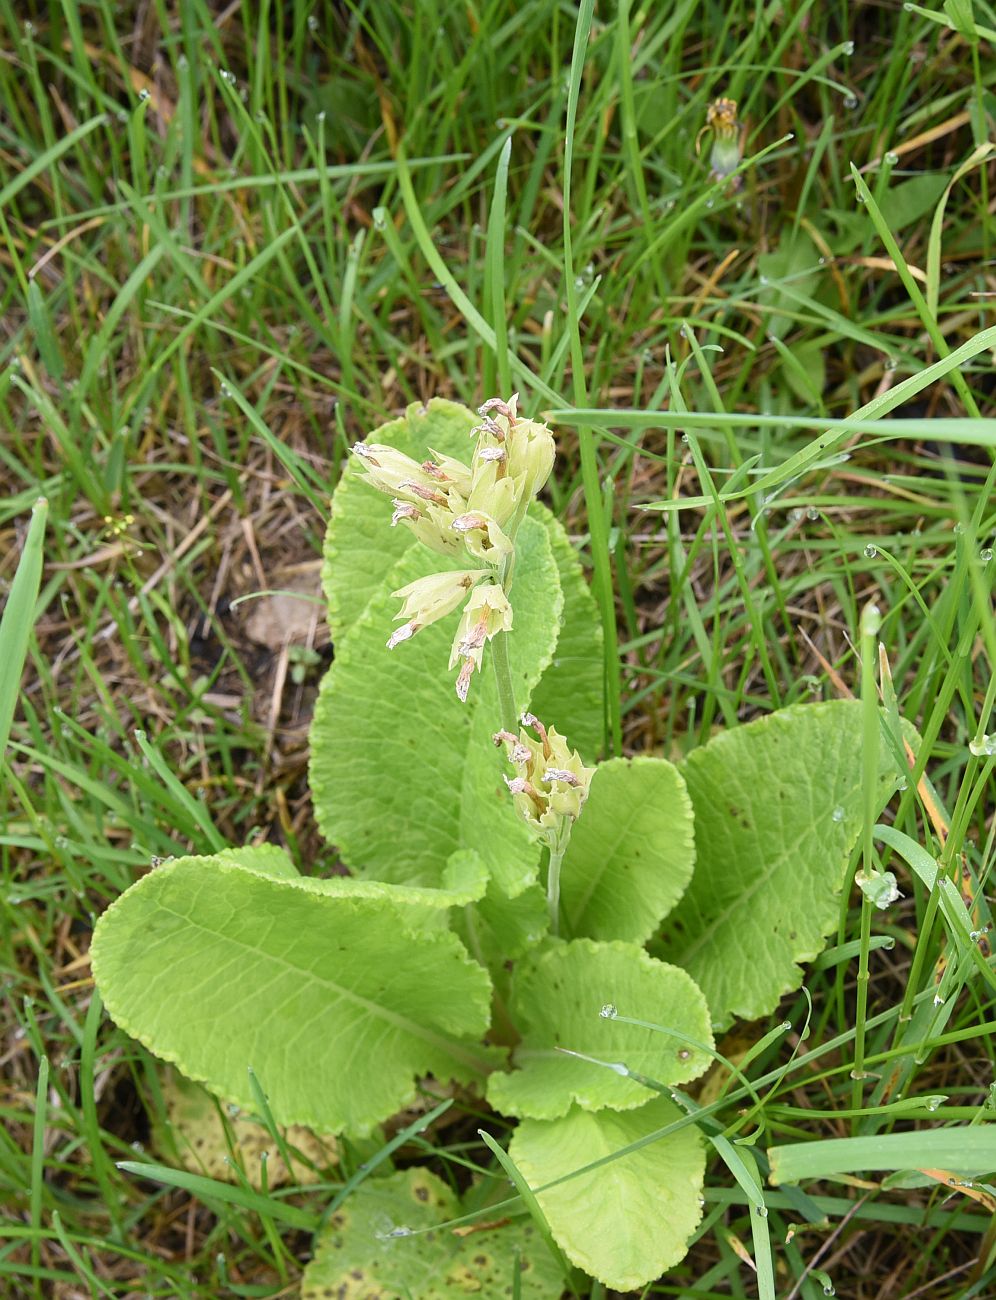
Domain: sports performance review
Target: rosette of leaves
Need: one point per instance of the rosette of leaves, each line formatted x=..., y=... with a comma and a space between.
x=342, y=992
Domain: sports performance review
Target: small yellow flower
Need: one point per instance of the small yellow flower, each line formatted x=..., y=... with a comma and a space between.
x=427, y=600
x=486, y=613
x=482, y=536
x=721, y=122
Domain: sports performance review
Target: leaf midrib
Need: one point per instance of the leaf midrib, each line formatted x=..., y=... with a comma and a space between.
x=439, y=1041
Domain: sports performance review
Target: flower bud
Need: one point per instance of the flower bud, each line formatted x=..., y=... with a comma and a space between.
x=486, y=613
x=531, y=456
x=428, y=599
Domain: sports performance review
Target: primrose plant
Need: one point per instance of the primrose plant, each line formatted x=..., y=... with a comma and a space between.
x=558, y=937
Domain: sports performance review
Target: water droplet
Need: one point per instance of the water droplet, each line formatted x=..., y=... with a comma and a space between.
x=938, y=1000
x=871, y=551
x=812, y=513
x=959, y=529
x=683, y=1054
x=848, y=47
x=710, y=203
x=828, y=1289
x=762, y=1211
x=578, y=282
x=984, y=746
x=986, y=554
x=312, y=23
x=399, y=1232
x=762, y=279
x=144, y=95
x=850, y=101
x=838, y=814
x=609, y=1012
x=891, y=364
x=182, y=63
x=891, y=158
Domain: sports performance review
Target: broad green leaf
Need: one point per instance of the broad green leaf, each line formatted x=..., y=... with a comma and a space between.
x=628, y=1221
x=198, y=1135
x=497, y=929
x=558, y=996
x=464, y=880
x=216, y=968
x=778, y=808
x=264, y=859
x=796, y=261
x=361, y=549
x=908, y=201
x=376, y=1244
x=631, y=852
x=402, y=773
x=569, y=695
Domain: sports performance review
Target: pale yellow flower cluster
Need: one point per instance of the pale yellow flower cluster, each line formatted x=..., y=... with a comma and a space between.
x=551, y=784
x=465, y=510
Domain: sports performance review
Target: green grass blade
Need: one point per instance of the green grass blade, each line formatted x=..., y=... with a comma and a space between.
x=18, y=617
x=528, y=1199
x=969, y=1150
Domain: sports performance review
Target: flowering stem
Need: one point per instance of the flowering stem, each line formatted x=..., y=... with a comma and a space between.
x=553, y=888
x=507, y=711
